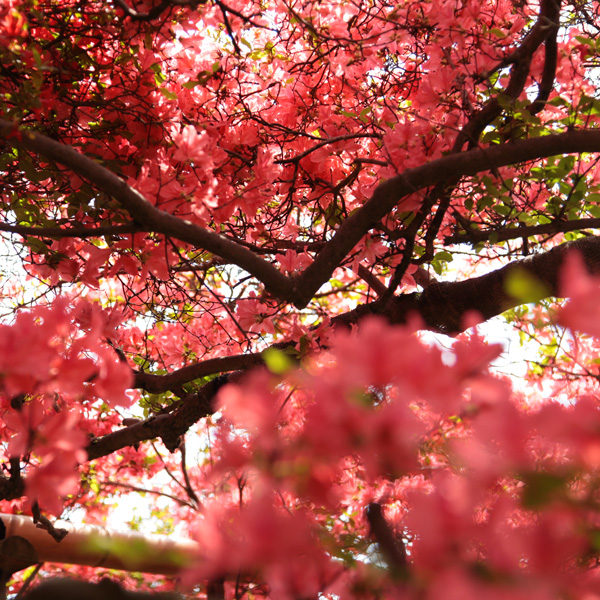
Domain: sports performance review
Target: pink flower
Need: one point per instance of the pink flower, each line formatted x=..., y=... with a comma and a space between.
x=292, y=262
x=24, y=423
x=113, y=381
x=51, y=482
x=582, y=311
x=44, y=433
x=193, y=146
x=251, y=315
x=59, y=433
x=281, y=544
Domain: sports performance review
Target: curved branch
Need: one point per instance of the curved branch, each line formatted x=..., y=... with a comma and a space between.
x=68, y=232
x=169, y=427
x=388, y=194
x=144, y=212
x=545, y=27
x=301, y=289
x=502, y=235
x=549, y=71
x=161, y=383
x=441, y=194
x=443, y=305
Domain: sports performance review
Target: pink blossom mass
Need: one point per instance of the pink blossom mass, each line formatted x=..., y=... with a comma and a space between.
x=255, y=260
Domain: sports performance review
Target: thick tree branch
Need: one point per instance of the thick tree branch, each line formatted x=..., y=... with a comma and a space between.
x=442, y=307
x=169, y=427
x=161, y=383
x=549, y=72
x=150, y=217
x=388, y=194
x=546, y=24
x=70, y=232
x=501, y=235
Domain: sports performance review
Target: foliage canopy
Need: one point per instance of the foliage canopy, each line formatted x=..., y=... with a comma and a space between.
x=230, y=222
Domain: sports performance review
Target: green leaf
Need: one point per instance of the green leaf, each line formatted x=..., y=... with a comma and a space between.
x=584, y=40
x=444, y=255
x=277, y=362
x=364, y=114
x=502, y=209
x=593, y=197
x=541, y=488
x=36, y=245
x=333, y=215
x=168, y=94
x=525, y=287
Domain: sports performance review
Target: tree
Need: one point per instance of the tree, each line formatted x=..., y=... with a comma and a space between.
x=228, y=222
